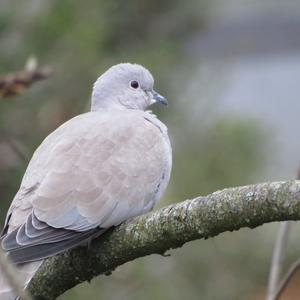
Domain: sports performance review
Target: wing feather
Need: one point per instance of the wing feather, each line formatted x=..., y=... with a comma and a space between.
x=94, y=171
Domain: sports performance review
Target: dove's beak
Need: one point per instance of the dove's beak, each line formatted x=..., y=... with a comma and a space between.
x=159, y=98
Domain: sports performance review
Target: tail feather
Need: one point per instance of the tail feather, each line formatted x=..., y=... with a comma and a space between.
x=25, y=273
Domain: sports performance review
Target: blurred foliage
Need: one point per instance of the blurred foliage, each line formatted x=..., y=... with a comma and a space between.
x=224, y=155
x=80, y=40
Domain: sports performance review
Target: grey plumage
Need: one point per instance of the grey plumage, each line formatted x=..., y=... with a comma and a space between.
x=93, y=172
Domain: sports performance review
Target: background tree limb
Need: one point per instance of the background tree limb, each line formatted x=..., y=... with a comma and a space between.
x=277, y=259
x=169, y=227
x=274, y=288
x=17, y=82
x=286, y=279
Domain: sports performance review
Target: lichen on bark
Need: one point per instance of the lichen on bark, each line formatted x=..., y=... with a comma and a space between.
x=170, y=227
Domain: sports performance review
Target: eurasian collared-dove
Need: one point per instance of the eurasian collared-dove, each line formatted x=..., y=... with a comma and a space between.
x=93, y=172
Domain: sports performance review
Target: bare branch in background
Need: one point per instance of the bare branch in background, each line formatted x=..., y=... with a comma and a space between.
x=287, y=278
x=278, y=254
x=169, y=227
x=277, y=258
x=18, y=149
x=18, y=82
x=12, y=84
x=11, y=275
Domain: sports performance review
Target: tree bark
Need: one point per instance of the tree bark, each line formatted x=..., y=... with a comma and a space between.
x=170, y=227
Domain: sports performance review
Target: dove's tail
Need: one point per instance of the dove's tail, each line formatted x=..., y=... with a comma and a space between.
x=25, y=273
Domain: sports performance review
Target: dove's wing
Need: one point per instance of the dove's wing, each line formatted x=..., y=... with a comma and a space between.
x=96, y=170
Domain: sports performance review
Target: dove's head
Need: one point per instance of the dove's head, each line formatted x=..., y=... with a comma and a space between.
x=125, y=86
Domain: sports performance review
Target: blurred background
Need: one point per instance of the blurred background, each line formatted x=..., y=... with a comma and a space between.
x=231, y=72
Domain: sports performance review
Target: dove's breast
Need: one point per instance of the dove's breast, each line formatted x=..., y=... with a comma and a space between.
x=138, y=167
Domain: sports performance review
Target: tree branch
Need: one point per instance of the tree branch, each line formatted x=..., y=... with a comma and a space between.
x=169, y=227
x=273, y=292
x=16, y=83
x=277, y=258
x=287, y=278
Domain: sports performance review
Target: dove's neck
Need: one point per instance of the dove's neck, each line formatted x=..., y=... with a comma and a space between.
x=96, y=106
x=100, y=102
x=112, y=105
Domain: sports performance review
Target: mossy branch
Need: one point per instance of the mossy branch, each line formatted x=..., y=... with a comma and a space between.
x=169, y=227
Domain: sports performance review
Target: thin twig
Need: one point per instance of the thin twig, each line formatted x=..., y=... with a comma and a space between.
x=17, y=149
x=15, y=83
x=287, y=278
x=277, y=258
x=278, y=254
x=11, y=275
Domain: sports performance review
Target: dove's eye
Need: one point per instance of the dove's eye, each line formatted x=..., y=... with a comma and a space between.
x=134, y=84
